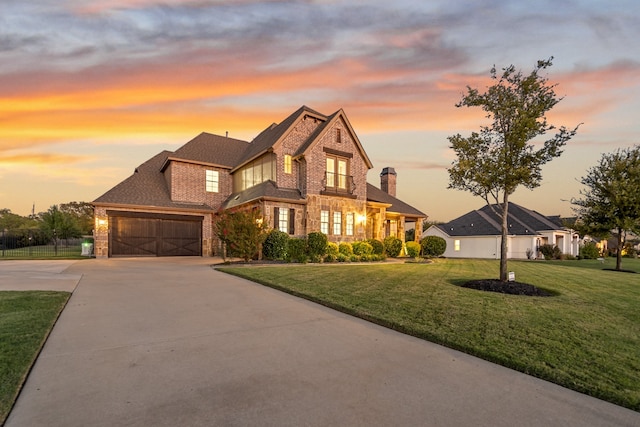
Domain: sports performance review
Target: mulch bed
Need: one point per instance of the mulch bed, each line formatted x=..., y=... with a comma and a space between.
x=512, y=288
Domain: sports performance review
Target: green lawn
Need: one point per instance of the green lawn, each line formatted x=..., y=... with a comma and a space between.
x=43, y=252
x=25, y=321
x=586, y=338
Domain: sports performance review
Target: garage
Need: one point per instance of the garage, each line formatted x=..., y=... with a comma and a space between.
x=152, y=234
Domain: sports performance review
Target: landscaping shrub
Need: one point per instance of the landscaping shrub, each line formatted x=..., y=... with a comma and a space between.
x=345, y=249
x=332, y=249
x=392, y=246
x=413, y=249
x=378, y=247
x=275, y=245
x=342, y=257
x=550, y=252
x=433, y=246
x=297, y=250
x=330, y=258
x=362, y=248
x=354, y=258
x=317, y=245
x=589, y=251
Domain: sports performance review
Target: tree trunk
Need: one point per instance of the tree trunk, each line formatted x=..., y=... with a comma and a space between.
x=503, y=242
x=619, y=250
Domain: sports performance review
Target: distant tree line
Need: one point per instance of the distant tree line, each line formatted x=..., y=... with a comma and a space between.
x=64, y=221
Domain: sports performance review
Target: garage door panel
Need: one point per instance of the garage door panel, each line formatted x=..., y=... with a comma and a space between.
x=147, y=236
x=180, y=238
x=133, y=237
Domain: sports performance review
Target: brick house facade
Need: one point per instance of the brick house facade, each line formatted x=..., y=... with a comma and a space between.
x=307, y=173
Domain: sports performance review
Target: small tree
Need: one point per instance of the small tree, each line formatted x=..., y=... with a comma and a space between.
x=493, y=163
x=241, y=231
x=82, y=212
x=611, y=199
x=57, y=225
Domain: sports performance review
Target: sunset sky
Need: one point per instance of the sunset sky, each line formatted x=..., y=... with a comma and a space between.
x=91, y=89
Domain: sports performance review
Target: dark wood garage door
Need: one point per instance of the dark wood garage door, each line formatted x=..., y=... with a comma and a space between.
x=136, y=234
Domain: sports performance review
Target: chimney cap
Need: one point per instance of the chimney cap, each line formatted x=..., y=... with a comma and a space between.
x=388, y=171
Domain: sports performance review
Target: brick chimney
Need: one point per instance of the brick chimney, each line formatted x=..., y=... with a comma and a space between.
x=388, y=181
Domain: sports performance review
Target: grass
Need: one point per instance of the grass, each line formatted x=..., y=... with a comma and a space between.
x=25, y=321
x=586, y=338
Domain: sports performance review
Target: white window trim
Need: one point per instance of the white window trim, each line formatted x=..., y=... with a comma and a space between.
x=324, y=225
x=337, y=223
x=349, y=223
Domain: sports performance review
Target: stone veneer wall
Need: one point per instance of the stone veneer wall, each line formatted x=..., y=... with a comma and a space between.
x=317, y=203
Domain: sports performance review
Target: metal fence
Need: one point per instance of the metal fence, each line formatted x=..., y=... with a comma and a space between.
x=34, y=243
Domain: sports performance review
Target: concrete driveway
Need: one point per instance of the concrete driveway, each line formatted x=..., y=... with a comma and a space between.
x=171, y=342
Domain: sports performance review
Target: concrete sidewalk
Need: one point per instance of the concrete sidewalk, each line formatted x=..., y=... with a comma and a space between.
x=171, y=342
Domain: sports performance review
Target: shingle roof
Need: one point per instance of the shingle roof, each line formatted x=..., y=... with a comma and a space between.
x=374, y=194
x=146, y=187
x=213, y=149
x=315, y=134
x=267, y=189
x=268, y=137
x=484, y=222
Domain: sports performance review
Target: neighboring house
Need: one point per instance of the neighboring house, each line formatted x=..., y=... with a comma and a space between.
x=477, y=234
x=307, y=173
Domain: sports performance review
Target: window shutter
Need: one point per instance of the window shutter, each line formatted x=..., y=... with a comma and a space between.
x=276, y=218
x=292, y=221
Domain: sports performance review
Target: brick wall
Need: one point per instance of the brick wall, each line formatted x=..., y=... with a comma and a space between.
x=316, y=161
x=290, y=145
x=188, y=184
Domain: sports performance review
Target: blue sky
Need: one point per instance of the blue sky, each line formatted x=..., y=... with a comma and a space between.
x=89, y=90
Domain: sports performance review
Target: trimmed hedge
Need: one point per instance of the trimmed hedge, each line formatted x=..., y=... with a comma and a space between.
x=413, y=249
x=392, y=246
x=275, y=245
x=433, y=246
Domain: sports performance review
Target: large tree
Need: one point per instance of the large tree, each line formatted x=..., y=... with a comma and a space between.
x=611, y=199
x=501, y=157
x=82, y=212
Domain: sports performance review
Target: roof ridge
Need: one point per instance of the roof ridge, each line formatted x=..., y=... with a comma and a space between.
x=490, y=220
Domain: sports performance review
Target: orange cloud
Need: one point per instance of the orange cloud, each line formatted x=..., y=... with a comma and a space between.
x=40, y=158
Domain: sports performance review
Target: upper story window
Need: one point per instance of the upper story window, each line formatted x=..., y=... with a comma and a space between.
x=287, y=163
x=338, y=135
x=337, y=172
x=212, y=181
x=254, y=173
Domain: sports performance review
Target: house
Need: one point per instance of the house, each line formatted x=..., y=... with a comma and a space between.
x=477, y=234
x=307, y=173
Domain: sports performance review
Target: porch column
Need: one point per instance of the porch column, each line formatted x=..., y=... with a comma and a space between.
x=418, y=229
